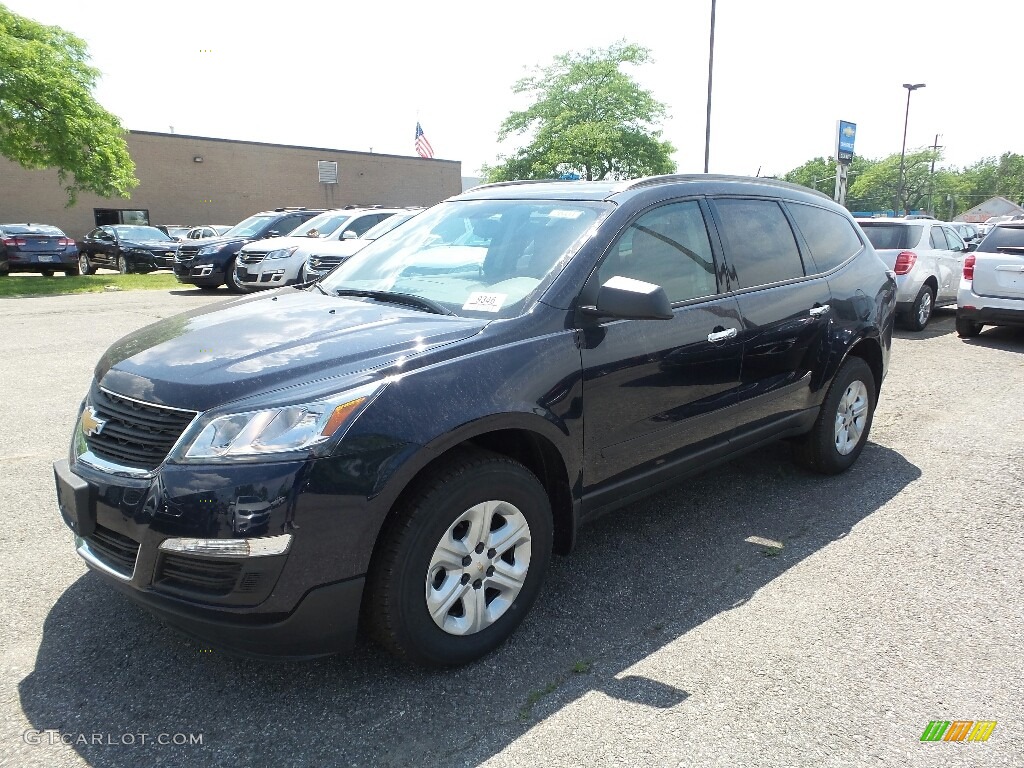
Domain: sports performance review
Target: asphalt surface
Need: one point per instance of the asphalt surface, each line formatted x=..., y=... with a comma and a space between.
x=666, y=639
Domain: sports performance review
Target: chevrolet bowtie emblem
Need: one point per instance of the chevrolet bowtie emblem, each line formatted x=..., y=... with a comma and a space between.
x=91, y=424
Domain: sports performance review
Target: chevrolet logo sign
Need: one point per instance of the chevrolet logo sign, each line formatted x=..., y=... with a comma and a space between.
x=91, y=423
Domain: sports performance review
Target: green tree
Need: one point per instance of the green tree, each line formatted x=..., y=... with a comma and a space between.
x=588, y=117
x=820, y=173
x=875, y=188
x=48, y=116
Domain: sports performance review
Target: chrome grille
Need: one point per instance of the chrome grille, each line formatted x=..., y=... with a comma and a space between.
x=252, y=257
x=186, y=252
x=325, y=262
x=135, y=434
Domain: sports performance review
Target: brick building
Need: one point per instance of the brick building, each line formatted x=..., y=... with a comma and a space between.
x=195, y=180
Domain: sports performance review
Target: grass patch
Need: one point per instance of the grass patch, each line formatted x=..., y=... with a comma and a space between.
x=582, y=667
x=36, y=285
x=771, y=551
x=526, y=711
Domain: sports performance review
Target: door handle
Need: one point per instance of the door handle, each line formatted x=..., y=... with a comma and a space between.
x=819, y=311
x=729, y=333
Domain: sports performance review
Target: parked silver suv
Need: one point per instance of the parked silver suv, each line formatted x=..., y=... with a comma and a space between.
x=927, y=257
x=992, y=284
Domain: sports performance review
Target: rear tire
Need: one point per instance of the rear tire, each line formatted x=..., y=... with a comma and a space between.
x=461, y=560
x=71, y=272
x=842, y=427
x=47, y=273
x=122, y=265
x=921, y=311
x=85, y=266
x=967, y=329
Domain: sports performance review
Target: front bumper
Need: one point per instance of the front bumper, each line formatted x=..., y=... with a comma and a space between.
x=301, y=603
x=198, y=272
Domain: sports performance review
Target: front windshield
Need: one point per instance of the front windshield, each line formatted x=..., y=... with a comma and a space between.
x=249, y=227
x=320, y=226
x=476, y=258
x=140, y=233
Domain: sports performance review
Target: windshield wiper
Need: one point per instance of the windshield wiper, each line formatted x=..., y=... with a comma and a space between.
x=316, y=284
x=397, y=298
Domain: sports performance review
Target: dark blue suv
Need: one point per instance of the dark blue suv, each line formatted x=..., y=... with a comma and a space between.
x=420, y=430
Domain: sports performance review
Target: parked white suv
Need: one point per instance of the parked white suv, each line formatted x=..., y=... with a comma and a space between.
x=326, y=255
x=927, y=257
x=279, y=260
x=992, y=284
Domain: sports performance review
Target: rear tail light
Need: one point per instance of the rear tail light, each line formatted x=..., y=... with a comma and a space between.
x=14, y=241
x=969, y=267
x=66, y=242
x=905, y=261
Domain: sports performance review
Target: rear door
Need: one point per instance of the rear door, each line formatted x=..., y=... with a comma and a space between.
x=999, y=263
x=785, y=310
x=947, y=271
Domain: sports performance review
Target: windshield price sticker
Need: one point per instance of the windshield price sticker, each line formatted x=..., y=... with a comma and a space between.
x=485, y=302
x=559, y=213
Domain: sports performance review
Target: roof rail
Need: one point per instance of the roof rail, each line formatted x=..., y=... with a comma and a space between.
x=650, y=181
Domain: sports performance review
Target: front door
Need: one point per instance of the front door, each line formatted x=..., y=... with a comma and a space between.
x=657, y=393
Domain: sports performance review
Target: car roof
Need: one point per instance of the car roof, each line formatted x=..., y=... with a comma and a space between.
x=898, y=220
x=554, y=189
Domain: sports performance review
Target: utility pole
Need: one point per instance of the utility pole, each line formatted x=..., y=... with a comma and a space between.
x=931, y=178
x=711, y=69
x=911, y=87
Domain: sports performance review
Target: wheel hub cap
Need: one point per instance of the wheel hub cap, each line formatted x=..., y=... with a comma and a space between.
x=478, y=567
x=851, y=417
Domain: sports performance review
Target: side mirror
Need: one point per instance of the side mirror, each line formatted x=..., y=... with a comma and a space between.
x=273, y=233
x=972, y=247
x=349, y=234
x=628, y=299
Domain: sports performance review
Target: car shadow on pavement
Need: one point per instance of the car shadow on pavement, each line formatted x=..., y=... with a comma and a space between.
x=1006, y=338
x=942, y=323
x=640, y=579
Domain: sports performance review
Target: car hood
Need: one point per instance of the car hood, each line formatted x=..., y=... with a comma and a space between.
x=266, y=343
x=274, y=243
x=337, y=247
x=204, y=241
x=151, y=245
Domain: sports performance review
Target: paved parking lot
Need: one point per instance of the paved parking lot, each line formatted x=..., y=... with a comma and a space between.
x=667, y=639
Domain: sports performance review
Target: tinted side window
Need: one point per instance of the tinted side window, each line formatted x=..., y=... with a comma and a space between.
x=938, y=240
x=831, y=237
x=759, y=243
x=955, y=243
x=886, y=236
x=669, y=247
x=288, y=224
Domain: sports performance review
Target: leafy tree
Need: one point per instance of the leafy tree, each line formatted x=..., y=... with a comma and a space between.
x=820, y=173
x=876, y=187
x=48, y=116
x=587, y=117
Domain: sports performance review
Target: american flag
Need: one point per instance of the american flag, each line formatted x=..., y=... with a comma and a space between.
x=423, y=148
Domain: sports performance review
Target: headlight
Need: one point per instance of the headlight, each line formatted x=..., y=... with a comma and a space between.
x=207, y=250
x=311, y=428
x=282, y=253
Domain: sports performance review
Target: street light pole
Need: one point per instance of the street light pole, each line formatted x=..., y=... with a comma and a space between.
x=903, y=152
x=711, y=69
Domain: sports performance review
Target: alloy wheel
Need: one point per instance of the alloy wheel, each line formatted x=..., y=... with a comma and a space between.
x=851, y=416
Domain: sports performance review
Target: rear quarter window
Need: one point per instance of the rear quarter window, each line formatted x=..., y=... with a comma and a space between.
x=830, y=237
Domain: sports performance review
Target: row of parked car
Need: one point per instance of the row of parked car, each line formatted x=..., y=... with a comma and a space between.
x=932, y=260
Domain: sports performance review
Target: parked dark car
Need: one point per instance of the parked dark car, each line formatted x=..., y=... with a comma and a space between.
x=127, y=248
x=209, y=263
x=36, y=248
x=422, y=408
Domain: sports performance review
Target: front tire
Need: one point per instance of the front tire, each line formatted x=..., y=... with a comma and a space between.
x=122, y=265
x=841, y=429
x=967, y=329
x=462, y=560
x=231, y=279
x=921, y=310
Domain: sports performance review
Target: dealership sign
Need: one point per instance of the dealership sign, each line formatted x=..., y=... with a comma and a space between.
x=845, y=134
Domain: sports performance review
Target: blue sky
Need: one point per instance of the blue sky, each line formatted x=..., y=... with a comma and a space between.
x=357, y=76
